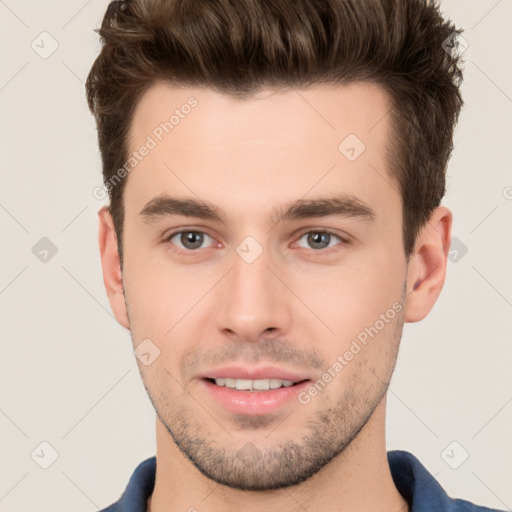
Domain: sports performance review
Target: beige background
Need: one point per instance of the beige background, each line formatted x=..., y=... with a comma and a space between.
x=68, y=376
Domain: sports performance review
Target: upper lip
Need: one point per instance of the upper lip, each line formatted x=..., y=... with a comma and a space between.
x=262, y=372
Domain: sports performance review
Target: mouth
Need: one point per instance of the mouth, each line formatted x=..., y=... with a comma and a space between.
x=258, y=385
x=253, y=391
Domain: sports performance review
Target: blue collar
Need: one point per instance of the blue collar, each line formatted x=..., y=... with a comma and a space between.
x=418, y=487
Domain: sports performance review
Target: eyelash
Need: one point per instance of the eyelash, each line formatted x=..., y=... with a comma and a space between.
x=320, y=252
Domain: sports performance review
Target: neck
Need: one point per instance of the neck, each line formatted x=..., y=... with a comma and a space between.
x=357, y=480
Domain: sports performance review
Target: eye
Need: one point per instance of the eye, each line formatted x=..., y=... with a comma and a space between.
x=190, y=240
x=321, y=239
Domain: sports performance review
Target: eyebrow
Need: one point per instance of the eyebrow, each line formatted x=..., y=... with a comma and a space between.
x=342, y=205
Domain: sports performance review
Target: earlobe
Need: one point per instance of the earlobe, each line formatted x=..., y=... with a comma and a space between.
x=110, y=263
x=427, y=267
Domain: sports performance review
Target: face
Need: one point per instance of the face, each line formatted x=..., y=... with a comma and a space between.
x=289, y=274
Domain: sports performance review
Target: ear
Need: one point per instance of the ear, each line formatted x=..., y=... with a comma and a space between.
x=111, y=265
x=427, y=266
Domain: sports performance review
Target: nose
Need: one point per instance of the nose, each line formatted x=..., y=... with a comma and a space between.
x=254, y=300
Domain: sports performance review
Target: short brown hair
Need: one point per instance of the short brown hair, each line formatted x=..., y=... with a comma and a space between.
x=239, y=47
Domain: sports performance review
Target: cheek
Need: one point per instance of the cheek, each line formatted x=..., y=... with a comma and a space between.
x=157, y=301
x=166, y=304
x=152, y=288
x=351, y=297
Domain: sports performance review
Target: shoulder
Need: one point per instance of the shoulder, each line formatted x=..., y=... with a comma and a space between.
x=138, y=490
x=466, y=506
x=115, y=507
x=421, y=490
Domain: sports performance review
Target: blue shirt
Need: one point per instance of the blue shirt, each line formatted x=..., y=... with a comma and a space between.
x=418, y=487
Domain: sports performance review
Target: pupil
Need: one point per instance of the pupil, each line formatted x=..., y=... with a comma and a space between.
x=316, y=238
x=192, y=238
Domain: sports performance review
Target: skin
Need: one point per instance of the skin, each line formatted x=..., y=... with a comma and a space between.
x=298, y=305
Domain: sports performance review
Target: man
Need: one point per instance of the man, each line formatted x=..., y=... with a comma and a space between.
x=275, y=171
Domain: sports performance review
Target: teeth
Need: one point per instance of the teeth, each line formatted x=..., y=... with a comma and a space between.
x=243, y=384
x=253, y=385
x=275, y=383
x=229, y=383
x=261, y=385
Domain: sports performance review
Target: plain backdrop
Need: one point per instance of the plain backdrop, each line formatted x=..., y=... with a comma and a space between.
x=68, y=377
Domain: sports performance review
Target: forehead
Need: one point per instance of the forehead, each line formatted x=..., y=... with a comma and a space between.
x=324, y=111
x=277, y=145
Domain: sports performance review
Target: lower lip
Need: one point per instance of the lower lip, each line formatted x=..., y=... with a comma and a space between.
x=253, y=403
